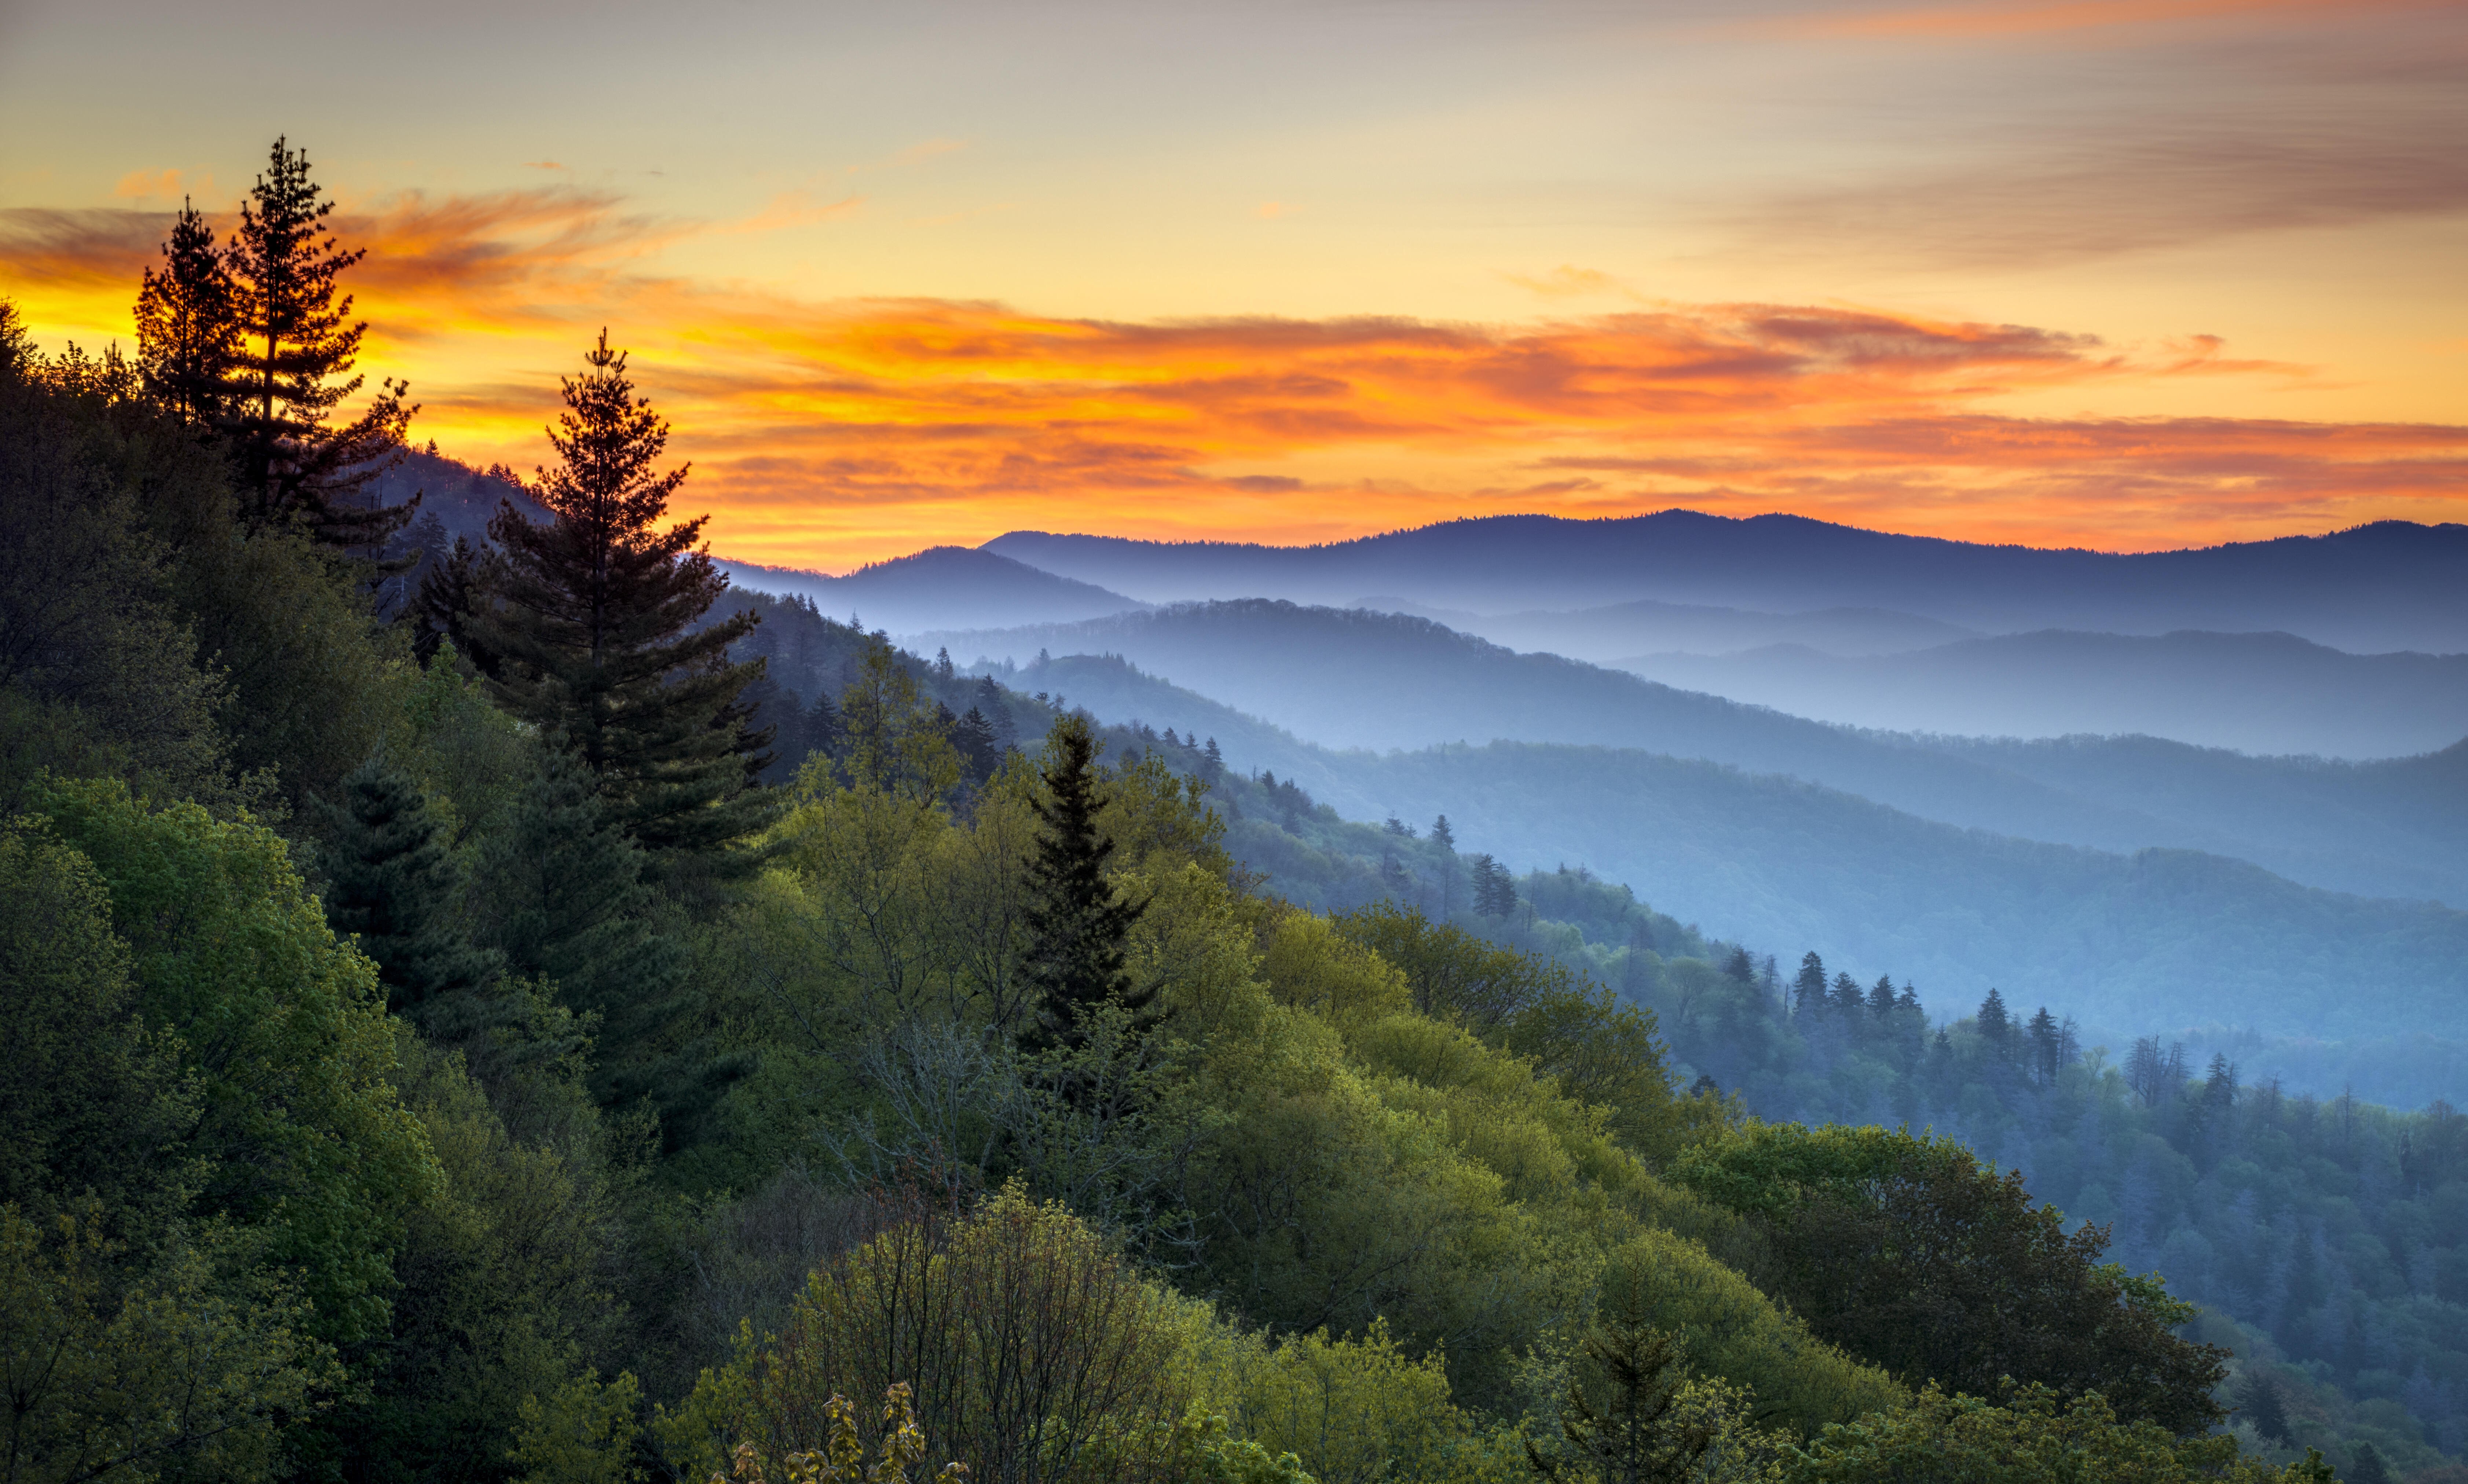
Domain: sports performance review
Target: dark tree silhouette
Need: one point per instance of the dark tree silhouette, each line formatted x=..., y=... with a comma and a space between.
x=188, y=327
x=296, y=348
x=1076, y=923
x=590, y=616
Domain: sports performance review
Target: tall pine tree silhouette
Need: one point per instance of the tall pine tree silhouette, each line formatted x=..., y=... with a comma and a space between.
x=188, y=327
x=590, y=619
x=1076, y=923
x=292, y=370
x=394, y=885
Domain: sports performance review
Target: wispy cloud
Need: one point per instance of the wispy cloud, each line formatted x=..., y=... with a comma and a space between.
x=834, y=432
x=795, y=209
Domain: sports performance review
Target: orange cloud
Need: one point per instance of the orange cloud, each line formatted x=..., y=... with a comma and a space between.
x=828, y=434
x=163, y=184
x=2035, y=18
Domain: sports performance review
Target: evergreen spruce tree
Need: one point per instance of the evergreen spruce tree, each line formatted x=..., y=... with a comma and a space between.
x=2367, y=1467
x=1881, y=997
x=1076, y=923
x=591, y=616
x=293, y=369
x=1808, y=988
x=188, y=327
x=990, y=701
x=1995, y=1026
x=975, y=736
x=564, y=887
x=2046, y=1046
x=825, y=731
x=2264, y=1408
x=396, y=887
x=1617, y=1419
x=450, y=593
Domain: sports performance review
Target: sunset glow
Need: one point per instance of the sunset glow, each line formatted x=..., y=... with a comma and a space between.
x=859, y=410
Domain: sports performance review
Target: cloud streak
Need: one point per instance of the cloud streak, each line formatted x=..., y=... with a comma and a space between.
x=833, y=433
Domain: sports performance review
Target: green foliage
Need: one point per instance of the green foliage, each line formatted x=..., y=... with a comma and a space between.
x=186, y=1363
x=95, y=1100
x=1728, y=1329
x=583, y=1434
x=284, y=1028
x=98, y=670
x=1032, y=1348
x=505, y=1291
x=396, y=891
x=2036, y=1435
x=1904, y=1249
x=561, y=886
x=1453, y=973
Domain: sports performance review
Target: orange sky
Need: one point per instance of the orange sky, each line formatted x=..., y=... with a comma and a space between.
x=2199, y=358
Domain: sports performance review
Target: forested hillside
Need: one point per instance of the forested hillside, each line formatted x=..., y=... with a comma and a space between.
x=2153, y=938
x=2323, y=1234
x=1351, y=678
x=571, y=1023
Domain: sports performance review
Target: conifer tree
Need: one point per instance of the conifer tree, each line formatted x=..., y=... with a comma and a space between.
x=1995, y=1026
x=450, y=593
x=2263, y=1407
x=591, y=615
x=1077, y=923
x=974, y=735
x=296, y=348
x=2368, y=1467
x=1808, y=988
x=990, y=701
x=395, y=886
x=564, y=887
x=1212, y=762
x=188, y=327
x=1881, y=997
x=1621, y=1428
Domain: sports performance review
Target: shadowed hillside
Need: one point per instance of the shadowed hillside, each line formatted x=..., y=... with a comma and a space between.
x=2155, y=936
x=1348, y=678
x=2256, y=692
x=2390, y=585
x=942, y=587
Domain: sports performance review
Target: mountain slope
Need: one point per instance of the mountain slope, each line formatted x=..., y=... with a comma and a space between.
x=1605, y=635
x=2256, y=692
x=2390, y=585
x=2119, y=939
x=1349, y=679
x=942, y=587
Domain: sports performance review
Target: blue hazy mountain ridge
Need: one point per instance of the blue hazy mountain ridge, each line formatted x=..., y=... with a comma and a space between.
x=1617, y=630
x=942, y=587
x=2260, y=693
x=464, y=499
x=2388, y=586
x=2124, y=941
x=1349, y=679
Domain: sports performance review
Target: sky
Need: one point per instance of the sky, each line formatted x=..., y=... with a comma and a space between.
x=2125, y=274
